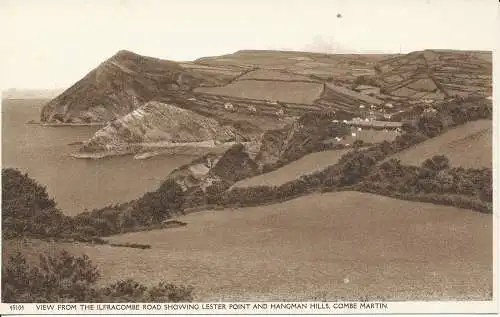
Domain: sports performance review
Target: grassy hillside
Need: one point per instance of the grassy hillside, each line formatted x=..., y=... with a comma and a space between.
x=309, y=247
x=468, y=145
x=344, y=67
x=296, y=92
x=305, y=165
x=436, y=74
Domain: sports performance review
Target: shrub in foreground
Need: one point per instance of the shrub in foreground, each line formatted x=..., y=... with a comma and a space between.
x=65, y=278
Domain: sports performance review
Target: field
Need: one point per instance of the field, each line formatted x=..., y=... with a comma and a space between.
x=264, y=74
x=468, y=145
x=439, y=73
x=333, y=246
x=370, y=135
x=295, y=92
x=306, y=165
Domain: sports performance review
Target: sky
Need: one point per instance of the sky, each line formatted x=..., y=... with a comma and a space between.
x=54, y=43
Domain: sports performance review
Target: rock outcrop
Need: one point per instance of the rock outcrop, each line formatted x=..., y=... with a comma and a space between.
x=158, y=125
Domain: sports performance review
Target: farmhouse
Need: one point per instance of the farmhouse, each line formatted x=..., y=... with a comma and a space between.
x=367, y=90
x=228, y=106
x=252, y=109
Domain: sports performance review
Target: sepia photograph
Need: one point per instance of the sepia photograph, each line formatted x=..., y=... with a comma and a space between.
x=202, y=153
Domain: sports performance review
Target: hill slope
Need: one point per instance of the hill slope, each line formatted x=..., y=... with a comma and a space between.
x=121, y=84
x=303, y=166
x=436, y=74
x=127, y=80
x=468, y=145
x=297, y=250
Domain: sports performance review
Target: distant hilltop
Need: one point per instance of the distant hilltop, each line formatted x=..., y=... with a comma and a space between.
x=16, y=93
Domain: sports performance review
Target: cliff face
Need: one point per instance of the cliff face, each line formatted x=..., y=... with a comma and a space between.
x=162, y=124
x=121, y=84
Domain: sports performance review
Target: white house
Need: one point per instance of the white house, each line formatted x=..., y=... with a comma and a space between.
x=228, y=106
x=361, y=107
x=353, y=134
x=389, y=105
x=252, y=109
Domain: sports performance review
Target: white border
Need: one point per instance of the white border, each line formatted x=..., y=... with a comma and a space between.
x=245, y=308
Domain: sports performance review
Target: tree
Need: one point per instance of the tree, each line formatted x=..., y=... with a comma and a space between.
x=430, y=126
x=27, y=209
x=437, y=163
x=154, y=207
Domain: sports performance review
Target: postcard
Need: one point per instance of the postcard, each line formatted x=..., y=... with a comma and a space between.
x=248, y=157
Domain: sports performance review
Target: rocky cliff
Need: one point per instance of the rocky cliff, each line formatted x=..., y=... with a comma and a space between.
x=160, y=125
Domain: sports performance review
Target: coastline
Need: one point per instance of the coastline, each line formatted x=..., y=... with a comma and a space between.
x=46, y=124
x=144, y=151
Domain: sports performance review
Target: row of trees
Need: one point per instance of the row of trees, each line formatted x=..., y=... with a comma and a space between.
x=433, y=181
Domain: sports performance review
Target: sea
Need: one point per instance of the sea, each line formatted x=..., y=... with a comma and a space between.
x=76, y=184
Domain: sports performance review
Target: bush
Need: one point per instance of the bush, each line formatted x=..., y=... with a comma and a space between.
x=59, y=278
x=65, y=278
x=124, y=291
x=166, y=292
x=27, y=209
